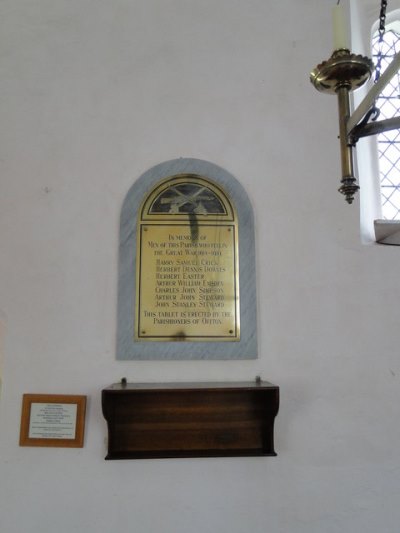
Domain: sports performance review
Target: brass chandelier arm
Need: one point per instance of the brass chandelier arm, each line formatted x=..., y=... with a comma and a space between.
x=342, y=73
x=348, y=181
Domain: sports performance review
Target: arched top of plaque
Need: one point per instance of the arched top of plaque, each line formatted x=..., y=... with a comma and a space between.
x=187, y=194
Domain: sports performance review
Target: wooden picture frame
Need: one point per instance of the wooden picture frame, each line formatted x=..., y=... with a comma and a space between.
x=52, y=420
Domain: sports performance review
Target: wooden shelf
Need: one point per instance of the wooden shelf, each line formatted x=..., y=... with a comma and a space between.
x=190, y=419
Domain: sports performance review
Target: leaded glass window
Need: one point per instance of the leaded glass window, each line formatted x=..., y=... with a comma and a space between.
x=389, y=142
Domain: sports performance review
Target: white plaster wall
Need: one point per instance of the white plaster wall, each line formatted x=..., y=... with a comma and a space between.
x=94, y=93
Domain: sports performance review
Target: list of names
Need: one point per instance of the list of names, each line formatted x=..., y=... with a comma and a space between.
x=188, y=284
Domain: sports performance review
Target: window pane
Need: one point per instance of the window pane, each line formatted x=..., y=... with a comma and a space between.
x=389, y=142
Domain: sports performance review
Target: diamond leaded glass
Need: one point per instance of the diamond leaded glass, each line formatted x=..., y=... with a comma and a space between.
x=389, y=142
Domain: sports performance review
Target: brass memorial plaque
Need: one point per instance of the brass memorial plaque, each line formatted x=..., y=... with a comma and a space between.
x=187, y=264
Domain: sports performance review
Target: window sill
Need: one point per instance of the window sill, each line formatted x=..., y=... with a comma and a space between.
x=387, y=232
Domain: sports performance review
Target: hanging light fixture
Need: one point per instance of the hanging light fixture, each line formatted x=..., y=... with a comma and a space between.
x=342, y=73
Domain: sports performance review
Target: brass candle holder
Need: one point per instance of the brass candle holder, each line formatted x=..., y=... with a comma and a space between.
x=342, y=73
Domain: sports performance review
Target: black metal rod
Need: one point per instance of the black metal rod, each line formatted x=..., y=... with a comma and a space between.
x=373, y=128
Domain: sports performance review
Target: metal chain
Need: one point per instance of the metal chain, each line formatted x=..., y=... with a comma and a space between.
x=382, y=22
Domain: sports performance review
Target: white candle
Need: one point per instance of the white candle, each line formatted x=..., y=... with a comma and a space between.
x=339, y=28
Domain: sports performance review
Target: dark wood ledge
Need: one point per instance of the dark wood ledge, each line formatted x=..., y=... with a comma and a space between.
x=190, y=419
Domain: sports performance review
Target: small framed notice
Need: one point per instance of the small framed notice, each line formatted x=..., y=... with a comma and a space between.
x=52, y=420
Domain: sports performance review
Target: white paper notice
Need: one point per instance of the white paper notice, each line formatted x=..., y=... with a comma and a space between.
x=53, y=421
